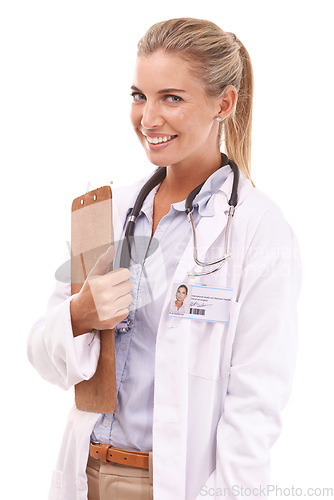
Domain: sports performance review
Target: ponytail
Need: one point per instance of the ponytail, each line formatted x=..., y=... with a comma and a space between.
x=238, y=126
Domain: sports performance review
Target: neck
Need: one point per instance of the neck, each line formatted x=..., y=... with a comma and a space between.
x=183, y=177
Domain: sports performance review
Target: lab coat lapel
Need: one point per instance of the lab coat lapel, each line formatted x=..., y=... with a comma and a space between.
x=171, y=367
x=170, y=428
x=208, y=230
x=211, y=230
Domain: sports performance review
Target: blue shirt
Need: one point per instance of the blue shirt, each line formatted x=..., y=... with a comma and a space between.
x=153, y=264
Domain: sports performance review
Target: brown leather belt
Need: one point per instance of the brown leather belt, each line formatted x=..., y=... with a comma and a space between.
x=107, y=453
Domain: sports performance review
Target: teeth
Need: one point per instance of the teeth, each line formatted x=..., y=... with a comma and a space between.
x=158, y=140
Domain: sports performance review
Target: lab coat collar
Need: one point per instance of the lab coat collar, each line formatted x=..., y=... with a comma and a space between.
x=204, y=201
x=245, y=186
x=125, y=197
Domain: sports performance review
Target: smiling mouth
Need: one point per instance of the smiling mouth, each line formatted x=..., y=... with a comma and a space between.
x=159, y=140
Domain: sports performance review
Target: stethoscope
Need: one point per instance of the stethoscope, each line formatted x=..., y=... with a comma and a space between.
x=156, y=179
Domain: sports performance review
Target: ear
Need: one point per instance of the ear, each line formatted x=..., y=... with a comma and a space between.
x=227, y=102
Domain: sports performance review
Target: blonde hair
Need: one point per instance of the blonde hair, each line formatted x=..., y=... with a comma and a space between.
x=218, y=59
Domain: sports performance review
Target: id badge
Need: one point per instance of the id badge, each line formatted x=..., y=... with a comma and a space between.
x=200, y=302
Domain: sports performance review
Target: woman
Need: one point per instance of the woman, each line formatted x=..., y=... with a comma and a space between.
x=205, y=396
x=178, y=305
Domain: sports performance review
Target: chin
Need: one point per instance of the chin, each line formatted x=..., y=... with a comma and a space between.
x=155, y=160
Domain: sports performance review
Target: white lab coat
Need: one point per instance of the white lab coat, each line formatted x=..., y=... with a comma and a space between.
x=219, y=389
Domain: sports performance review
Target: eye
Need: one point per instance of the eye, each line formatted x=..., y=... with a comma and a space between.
x=137, y=96
x=173, y=98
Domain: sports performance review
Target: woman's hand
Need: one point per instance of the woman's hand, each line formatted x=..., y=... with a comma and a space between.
x=104, y=298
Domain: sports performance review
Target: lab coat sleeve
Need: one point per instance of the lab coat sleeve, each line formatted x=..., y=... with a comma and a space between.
x=263, y=360
x=59, y=357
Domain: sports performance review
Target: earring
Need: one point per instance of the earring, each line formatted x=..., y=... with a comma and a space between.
x=219, y=119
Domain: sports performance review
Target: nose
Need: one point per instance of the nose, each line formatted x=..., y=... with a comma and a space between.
x=151, y=117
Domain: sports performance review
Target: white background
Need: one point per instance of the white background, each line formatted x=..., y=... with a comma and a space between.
x=66, y=70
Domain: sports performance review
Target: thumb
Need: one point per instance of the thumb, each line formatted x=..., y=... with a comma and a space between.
x=102, y=264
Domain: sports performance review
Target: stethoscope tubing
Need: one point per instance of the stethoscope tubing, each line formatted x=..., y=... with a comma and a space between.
x=156, y=179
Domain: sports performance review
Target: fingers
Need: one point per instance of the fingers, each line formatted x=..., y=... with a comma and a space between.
x=111, y=316
x=103, y=263
x=104, y=298
x=111, y=293
x=111, y=280
x=110, y=324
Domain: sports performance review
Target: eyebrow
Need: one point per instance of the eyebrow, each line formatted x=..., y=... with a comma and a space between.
x=163, y=91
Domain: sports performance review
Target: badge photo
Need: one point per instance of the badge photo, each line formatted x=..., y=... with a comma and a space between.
x=180, y=302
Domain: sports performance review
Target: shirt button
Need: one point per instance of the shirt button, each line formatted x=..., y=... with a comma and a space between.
x=80, y=484
x=106, y=423
x=123, y=347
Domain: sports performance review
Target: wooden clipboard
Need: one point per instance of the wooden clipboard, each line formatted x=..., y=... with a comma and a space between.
x=91, y=235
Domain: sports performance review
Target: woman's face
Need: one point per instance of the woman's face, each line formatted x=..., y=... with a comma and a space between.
x=171, y=113
x=181, y=294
